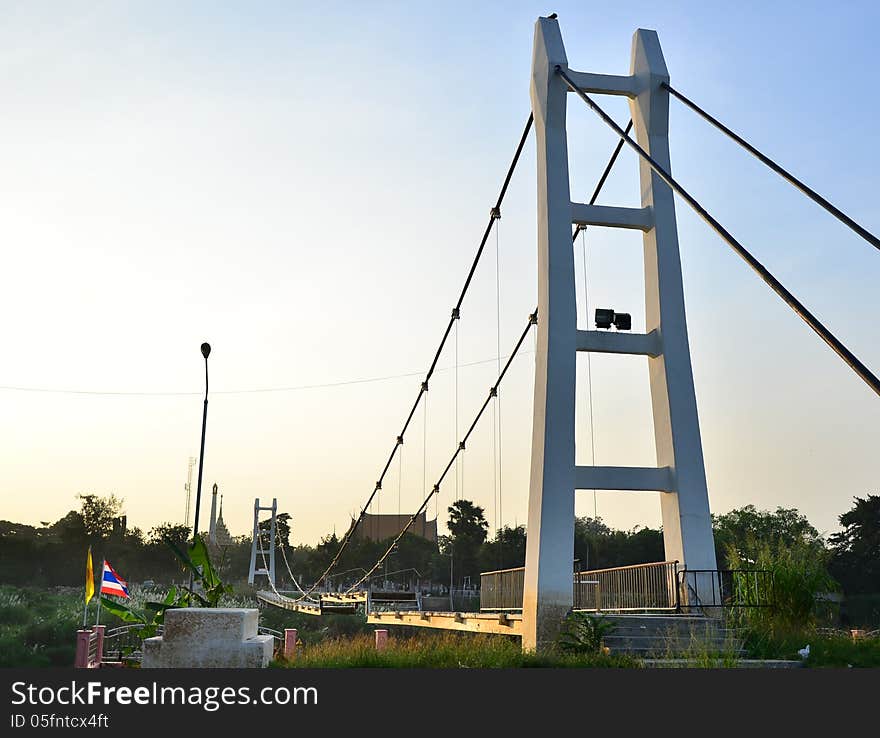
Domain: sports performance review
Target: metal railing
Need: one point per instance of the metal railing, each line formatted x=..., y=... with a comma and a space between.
x=656, y=587
x=628, y=588
x=502, y=589
x=726, y=588
x=124, y=644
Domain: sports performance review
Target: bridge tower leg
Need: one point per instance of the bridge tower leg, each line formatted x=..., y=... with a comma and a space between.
x=679, y=475
x=257, y=544
x=687, y=522
x=547, y=591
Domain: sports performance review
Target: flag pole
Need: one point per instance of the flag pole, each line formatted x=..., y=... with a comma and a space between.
x=90, y=584
x=100, y=589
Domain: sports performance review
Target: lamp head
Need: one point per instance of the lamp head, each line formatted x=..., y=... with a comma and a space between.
x=206, y=350
x=604, y=317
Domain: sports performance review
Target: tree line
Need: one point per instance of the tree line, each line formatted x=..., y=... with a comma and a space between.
x=53, y=554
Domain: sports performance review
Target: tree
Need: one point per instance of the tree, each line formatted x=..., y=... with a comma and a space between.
x=798, y=575
x=176, y=533
x=282, y=529
x=70, y=529
x=746, y=531
x=596, y=546
x=856, y=550
x=99, y=514
x=467, y=522
x=506, y=551
x=468, y=527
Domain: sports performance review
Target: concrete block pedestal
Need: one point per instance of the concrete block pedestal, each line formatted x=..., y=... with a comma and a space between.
x=209, y=638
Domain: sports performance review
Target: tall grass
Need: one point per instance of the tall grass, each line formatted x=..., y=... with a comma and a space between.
x=798, y=574
x=37, y=627
x=442, y=651
x=702, y=649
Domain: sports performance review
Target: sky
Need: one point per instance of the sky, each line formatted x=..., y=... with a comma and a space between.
x=304, y=187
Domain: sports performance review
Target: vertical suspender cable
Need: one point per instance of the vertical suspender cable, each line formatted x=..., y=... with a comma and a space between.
x=433, y=366
x=582, y=230
x=495, y=467
x=500, y=519
x=493, y=391
x=455, y=432
x=425, y=448
x=589, y=370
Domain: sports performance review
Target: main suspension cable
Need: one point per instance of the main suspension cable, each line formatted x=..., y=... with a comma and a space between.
x=842, y=351
x=782, y=172
x=494, y=214
x=493, y=392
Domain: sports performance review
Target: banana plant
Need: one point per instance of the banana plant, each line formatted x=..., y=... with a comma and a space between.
x=584, y=633
x=197, y=561
x=153, y=614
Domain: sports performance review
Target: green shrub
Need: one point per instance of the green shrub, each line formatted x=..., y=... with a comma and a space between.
x=798, y=573
x=584, y=633
x=14, y=615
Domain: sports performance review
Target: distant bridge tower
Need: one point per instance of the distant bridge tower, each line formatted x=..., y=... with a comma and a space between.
x=267, y=555
x=679, y=476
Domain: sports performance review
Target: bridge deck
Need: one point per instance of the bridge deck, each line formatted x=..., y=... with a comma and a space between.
x=473, y=622
x=287, y=603
x=343, y=599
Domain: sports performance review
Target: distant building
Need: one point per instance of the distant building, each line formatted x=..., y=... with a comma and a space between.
x=218, y=533
x=382, y=527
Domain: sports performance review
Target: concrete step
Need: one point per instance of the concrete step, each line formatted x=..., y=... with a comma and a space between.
x=661, y=647
x=740, y=664
x=667, y=635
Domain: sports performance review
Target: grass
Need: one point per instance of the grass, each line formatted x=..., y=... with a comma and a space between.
x=826, y=650
x=441, y=651
x=37, y=628
x=701, y=649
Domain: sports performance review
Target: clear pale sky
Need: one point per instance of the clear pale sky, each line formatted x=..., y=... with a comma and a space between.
x=304, y=185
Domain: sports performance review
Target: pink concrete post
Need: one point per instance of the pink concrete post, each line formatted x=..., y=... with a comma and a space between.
x=381, y=639
x=290, y=643
x=99, y=650
x=81, y=660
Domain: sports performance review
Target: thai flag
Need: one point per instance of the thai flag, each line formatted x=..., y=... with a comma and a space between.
x=112, y=583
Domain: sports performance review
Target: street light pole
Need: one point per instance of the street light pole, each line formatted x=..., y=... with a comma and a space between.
x=206, y=351
x=451, y=580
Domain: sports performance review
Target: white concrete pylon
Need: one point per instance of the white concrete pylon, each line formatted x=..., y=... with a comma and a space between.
x=679, y=476
x=547, y=591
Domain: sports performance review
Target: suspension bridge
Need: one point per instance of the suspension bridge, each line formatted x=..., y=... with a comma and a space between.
x=531, y=601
